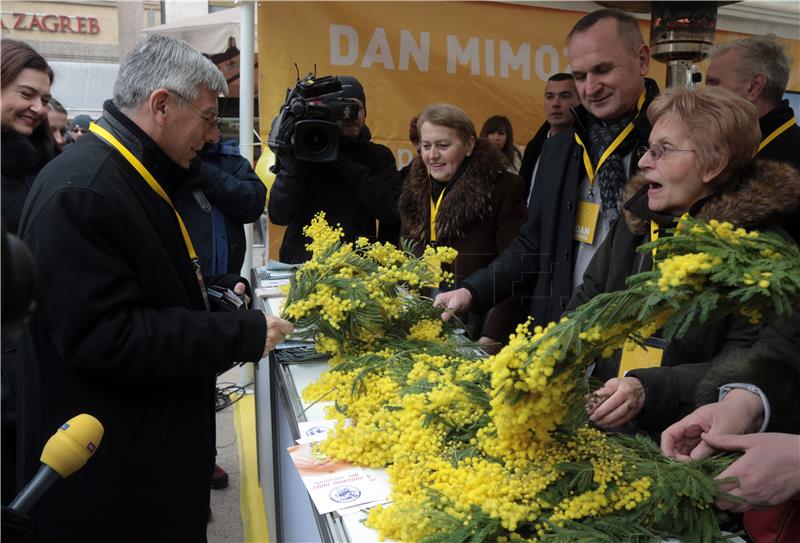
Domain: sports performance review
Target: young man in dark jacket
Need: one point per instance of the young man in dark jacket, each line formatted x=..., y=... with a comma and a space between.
x=122, y=330
x=581, y=173
x=361, y=186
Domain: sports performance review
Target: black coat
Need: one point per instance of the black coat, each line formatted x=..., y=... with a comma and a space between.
x=531, y=155
x=224, y=179
x=784, y=148
x=121, y=333
x=22, y=158
x=541, y=258
x=360, y=187
x=758, y=201
x=772, y=364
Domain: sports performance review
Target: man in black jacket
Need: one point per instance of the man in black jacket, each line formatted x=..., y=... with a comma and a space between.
x=560, y=97
x=580, y=176
x=122, y=330
x=357, y=189
x=757, y=69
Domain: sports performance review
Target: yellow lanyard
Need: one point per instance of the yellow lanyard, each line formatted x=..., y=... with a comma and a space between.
x=434, y=211
x=653, y=237
x=147, y=176
x=109, y=138
x=777, y=132
x=591, y=171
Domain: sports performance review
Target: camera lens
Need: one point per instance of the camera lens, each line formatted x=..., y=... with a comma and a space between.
x=316, y=141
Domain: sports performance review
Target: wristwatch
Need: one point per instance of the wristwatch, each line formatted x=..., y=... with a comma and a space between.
x=753, y=389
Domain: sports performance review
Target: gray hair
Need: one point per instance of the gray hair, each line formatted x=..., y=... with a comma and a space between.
x=761, y=55
x=162, y=62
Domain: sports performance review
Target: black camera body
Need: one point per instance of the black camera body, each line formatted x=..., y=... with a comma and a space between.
x=307, y=121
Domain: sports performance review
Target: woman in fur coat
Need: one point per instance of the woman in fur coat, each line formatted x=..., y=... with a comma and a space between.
x=698, y=162
x=459, y=194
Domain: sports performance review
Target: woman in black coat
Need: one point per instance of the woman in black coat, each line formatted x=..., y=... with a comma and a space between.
x=698, y=161
x=26, y=141
x=26, y=147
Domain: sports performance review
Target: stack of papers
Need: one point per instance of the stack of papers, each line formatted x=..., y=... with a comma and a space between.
x=334, y=485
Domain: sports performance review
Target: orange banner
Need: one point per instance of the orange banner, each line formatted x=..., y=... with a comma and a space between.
x=488, y=58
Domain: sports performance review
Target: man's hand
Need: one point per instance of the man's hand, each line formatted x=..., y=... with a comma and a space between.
x=453, y=301
x=768, y=473
x=618, y=402
x=277, y=330
x=738, y=413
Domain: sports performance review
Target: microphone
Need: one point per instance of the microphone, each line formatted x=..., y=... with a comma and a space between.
x=64, y=453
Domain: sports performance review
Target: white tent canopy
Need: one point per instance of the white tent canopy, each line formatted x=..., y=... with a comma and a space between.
x=209, y=34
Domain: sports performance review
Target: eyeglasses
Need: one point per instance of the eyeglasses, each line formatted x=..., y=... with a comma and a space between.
x=657, y=151
x=211, y=120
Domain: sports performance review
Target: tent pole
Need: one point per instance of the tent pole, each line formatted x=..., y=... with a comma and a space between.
x=246, y=63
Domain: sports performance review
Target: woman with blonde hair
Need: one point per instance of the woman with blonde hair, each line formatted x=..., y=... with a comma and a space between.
x=698, y=161
x=459, y=194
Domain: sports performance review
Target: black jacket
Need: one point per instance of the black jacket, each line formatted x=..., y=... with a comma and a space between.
x=670, y=389
x=772, y=364
x=784, y=148
x=120, y=332
x=221, y=178
x=360, y=187
x=531, y=155
x=22, y=158
x=541, y=257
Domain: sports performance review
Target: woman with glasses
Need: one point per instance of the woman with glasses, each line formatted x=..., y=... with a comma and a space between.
x=698, y=161
x=459, y=194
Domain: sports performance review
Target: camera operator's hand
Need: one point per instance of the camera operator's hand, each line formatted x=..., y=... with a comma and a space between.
x=277, y=330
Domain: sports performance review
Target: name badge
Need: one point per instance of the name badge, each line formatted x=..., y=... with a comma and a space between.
x=586, y=221
x=640, y=357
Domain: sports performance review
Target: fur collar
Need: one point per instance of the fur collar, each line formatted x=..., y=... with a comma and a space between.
x=766, y=191
x=468, y=200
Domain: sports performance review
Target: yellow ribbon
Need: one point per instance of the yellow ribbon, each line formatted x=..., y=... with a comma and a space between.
x=434, y=211
x=591, y=171
x=653, y=237
x=777, y=132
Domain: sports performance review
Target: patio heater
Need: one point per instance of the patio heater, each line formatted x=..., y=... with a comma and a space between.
x=681, y=34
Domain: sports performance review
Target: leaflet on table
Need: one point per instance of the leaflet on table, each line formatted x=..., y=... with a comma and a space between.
x=278, y=291
x=316, y=430
x=332, y=484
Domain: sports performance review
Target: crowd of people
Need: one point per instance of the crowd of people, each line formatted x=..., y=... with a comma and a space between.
x=145, y=214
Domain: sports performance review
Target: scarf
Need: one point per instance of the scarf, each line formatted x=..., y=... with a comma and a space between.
x=612, y=176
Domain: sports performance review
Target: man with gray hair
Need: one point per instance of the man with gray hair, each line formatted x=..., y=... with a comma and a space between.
x=757, y=69
x=122, y=329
